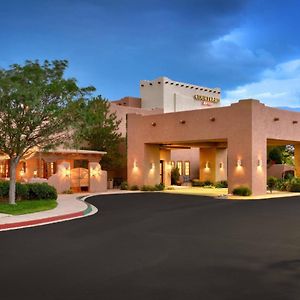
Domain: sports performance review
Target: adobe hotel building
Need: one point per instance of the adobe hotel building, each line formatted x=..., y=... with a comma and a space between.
x=231, y=141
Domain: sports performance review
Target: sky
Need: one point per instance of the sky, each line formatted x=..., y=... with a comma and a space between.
x=248, y=48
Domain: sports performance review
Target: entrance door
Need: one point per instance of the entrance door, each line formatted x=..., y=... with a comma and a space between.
x=161, y=171
x=80, y=176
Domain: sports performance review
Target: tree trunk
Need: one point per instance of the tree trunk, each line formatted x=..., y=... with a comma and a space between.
x=12, y=183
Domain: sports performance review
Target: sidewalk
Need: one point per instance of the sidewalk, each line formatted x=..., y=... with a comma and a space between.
x=68, y=208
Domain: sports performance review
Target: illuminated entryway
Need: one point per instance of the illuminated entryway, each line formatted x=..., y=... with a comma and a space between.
x=244, y=128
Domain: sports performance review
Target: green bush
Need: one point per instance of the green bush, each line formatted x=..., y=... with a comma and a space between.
x=197, y=182
x=282, y=184
x=41, y=191
x=207, y=183
x=4, y=189
x=124, y=185
x=134, y=188
x=294, y=185
x=175, y=175
x=221, y=184
x=159, y=187
x=271, y=182
x=148, y=188
x=22, y=191
x=242, y=191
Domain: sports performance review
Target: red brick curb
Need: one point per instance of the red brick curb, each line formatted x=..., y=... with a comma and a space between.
x=41, y=221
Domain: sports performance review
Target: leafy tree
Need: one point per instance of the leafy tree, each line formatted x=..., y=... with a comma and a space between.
x=34, y=109
x=275, y=155
x=97, y=128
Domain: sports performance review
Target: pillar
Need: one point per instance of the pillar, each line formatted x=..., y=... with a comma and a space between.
x=207, y=167
x=297, y=160
x=97, y=178
x=247, y=163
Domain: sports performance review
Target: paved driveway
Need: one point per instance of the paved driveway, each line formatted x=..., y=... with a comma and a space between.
x=159, y=246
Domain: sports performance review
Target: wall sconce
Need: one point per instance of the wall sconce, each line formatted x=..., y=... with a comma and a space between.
x=67, y=172
x=182, y=121
x=207, y=166
x=259, y=163
x=153, y=124
x=22, y=173
x=94, y=172
x=239, y=163
x=152, y=166
x=35, y=173
x=221, y=165
x=135, y=165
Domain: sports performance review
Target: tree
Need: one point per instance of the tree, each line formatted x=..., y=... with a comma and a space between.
x=97, y=128
x=34, y=109
x=275, y=155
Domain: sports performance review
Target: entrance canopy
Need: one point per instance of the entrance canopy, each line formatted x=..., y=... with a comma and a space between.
x=244, y=128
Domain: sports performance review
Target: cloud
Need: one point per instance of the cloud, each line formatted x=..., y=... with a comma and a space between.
x=279, y=86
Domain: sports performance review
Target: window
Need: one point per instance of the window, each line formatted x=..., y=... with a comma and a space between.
x=179, y=166
x=187, y=168
x=172, y=164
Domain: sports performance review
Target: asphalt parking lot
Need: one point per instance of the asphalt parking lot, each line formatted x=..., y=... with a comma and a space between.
x=159, y=246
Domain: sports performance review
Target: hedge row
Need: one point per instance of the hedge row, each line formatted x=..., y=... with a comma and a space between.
x=219, y=184
x=29, y=191
x=157, y=187
x=289, y=184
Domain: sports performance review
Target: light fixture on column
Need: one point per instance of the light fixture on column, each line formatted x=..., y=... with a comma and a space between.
x=259, y=163
x=22, y=173
x=239, y=163
x=35, y=173
x=135, y=165
x=221, y=165
x=207, y=165
x=152, y=166
x=67, y=172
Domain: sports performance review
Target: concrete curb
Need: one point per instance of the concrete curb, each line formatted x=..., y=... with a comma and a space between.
x=89, y=211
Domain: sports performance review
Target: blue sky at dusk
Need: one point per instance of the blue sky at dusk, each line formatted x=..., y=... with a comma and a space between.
x=250, y=49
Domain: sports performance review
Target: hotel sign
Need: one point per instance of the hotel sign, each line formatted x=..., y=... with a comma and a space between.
x=206, y=100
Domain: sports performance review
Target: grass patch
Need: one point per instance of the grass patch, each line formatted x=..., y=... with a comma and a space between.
x=27, y=207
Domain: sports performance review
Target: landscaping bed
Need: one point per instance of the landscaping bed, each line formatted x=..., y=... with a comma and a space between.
x=27, y=207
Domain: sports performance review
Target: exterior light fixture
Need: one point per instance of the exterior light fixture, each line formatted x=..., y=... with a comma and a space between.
x=22, y=173
x=221, y=165
x=35, y=173
x=94, y=172
x=239, y=163
x=259, y=163
x=207, y=166
x=212, y=119
x=68, y=172
x=152, y=166
x=135, y=164
x=276, y=119
x=182, y=121
x=153, y=124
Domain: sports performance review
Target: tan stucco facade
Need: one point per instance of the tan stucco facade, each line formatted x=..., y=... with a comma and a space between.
x=244, y=129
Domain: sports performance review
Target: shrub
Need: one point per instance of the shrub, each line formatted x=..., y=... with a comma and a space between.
x=282, y=184
x=134, y=188
x=242, y=191
x=148, y=188
x=271, y=182
x=207, y=183
x=124, y=185
x=159, y=187
x=197, y=182
x=175, y=175
x=294, y=185
x=221, y=184
x=41, y=191
x=4, y=189
x=22, y=191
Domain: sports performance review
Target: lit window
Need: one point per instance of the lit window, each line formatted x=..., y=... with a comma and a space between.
x=187, y=168
x=172, y=164
x=179, y=166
